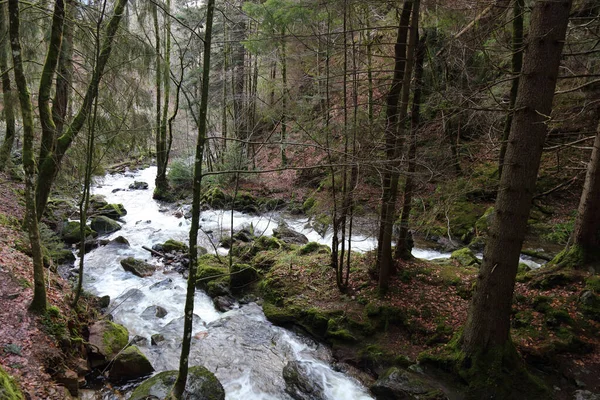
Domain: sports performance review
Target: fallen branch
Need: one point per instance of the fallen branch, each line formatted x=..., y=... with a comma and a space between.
x=154, y=252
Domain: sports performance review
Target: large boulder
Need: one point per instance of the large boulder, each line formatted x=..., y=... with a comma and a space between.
x=174, y=246
x=303, y=382
x=137, y=267
x=112, y=211
x=201, y=385
x=138, y=185
x=154, y=312
x=465, y=257
x=241, y=276
x=287, y=235
x=102, y=224
x=130, y=364
x=106, y=340
x=398, y=384
x=71, y=232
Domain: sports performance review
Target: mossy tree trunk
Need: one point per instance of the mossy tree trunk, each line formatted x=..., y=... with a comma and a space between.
x=485, y=341
x=404, y=244
x=38, y=303
x=583, y=249
x=393, y=147
x=9, y=113
x=179, y=386
x=50, y=164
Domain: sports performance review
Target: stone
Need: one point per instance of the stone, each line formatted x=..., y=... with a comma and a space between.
x=138, y=267
x=70, y=380
x=156, y=339
x=287, y=235
x=302, y=382
x=137, y=339
x=103, y=225
x=223, y=303
x=138, y=185
x=401, y=384
x=104, y=301
x=154, y=312
x=465, y=257
x=97, y=201
x=242, y=275
x=119, y=241
x=174, y=246
x=201, y=385
x=586, y=395
x=130, y=364
x=106, y=340
x=71, y=232
x=112, y=211
x=162, y=285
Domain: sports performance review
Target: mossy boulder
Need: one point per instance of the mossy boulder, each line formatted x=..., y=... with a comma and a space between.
x=397, y=383
x=246, y=203
x=314, y=247
x=71, y=232
x=174, y=246
x=106, y=340
x=103, y=225
x=242, y=275
x=138, y=267
x=465, y=257
x=97, y=201
x=214, y=276
x=9, y=390
x=287, y=235
x=267, y=243
x=201, y=385
x=216, y=198
x=112, y=211
x=130, y=364
x=589, y=304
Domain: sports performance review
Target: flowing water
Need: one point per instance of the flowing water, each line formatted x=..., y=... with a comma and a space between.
x=245, y=351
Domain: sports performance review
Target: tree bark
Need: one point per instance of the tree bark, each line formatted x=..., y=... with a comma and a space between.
x=485, y=340
x=38, y=303
x=9, y=113
x=179, y=386
x=50, y=165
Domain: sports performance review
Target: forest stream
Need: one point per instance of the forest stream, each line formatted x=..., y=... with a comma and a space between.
x=244, y=350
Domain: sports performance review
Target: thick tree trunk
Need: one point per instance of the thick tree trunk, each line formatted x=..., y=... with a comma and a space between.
x=49, y=166
x=179, y=386
x=394, y=117
x=38, y=303
x=9, y=113
x=485, y=340
x=64, y=76
x=404, y=244
x=584, y=247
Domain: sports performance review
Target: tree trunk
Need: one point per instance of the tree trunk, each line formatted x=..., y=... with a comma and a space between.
x=64, y=76
x=179, y=386
x=38, y=303
x=584, y=247
x=485, y=340
x=404, y=244
x=517, y=62
x=393, y=148
x=49, y=166
x=9, y=113
x=283, y=97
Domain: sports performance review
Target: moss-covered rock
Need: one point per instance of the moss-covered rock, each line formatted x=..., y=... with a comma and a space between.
x=201, y=385
x=97, y=201
x=287, y=235
x=103, y=225
x=130, y=364
x=267, y=243
x=174, y=246
x=242, y=275
x=9, y=390
x=71, y=232
x=107, y=339
x=212, y=275
x=396, y=383
x=465, y=257
x=112, y=211
x=216, y=198
x=314, y=247
x=138, y=267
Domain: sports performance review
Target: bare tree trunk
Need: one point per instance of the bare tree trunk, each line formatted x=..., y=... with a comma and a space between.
x=179, y=386
x=9, y=113
x=38, y=303
x=485, y=341
x=283, y=97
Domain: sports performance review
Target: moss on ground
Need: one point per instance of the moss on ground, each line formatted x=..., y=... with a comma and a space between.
x=9, y=390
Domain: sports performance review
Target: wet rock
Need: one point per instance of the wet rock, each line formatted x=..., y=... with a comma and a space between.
x=247, y=299
x=68, y=379
x=90, y=244
x=401, y=384
x=465, y=258
x=288, y=235
x=137, y=267
x=156, y=339
x=119, y=241
x=302, y=382
x=132, y=296
x=137, y=339
x=102, y=225
x=162, y=285
x=71, y=232
x=174, y=246
x=138, y=185
x=154, y=312
x=97, y=201
x=106, y=340
x=217, y=288
x=130, y=364
x=112, y=211
x=586, y=395
x=104, y=301
x=201, y=385
x=224, y=303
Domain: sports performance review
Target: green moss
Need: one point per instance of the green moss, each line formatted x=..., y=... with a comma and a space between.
x=308, y=204
x=201, y=382
x=465, y=257
x=54, y=322
x=9, y=390
x=313, y=247
x=242, y=275
x=542, y=303
x=115, y=337
x=113, y=211
x=210, y=273
x=593, y=283
x=268, y=243
x=216, y=198
x=555, y=318
x=571, y=257
x=175, y=246
x=280, y=315
x=336, y=333
x=71, y=232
